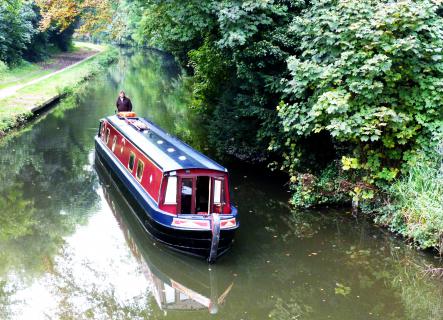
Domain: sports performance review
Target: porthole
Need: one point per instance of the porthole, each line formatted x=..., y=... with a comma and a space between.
x=123, y=145
x=140, y=168
x=114, y=142
x=131, y=161
x=108, y=133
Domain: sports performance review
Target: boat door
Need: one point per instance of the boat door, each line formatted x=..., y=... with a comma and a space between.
x=200, y=194
x=218, y=194
x=187, y=195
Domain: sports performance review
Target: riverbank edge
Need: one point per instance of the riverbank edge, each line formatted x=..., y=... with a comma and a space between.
x=96, y=62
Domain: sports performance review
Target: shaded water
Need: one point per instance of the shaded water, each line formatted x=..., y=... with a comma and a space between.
x=70, y=247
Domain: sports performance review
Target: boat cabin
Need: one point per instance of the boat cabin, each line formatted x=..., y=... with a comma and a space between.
x=194, y=192
x=179, y=179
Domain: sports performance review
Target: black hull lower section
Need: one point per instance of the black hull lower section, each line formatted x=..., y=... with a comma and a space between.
x=197, y=243
x=193, y=242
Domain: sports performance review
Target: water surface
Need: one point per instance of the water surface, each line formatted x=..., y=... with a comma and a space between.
x=71, y=248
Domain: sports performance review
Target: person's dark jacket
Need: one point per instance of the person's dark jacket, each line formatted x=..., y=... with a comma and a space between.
x=123, y=105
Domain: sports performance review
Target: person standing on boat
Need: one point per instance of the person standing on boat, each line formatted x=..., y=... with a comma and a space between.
x=123, y=102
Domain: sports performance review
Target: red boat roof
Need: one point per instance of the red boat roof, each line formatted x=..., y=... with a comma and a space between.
x=167, y=151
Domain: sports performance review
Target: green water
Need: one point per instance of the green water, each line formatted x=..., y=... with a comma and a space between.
x=71, y=248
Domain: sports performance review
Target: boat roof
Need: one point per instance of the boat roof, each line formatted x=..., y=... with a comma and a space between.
x=167, y=151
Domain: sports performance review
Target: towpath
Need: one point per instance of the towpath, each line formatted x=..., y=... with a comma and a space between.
x=58, y=63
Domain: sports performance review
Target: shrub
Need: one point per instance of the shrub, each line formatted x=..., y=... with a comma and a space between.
x=16, y=31
x=416, y=202
x=371, y=75
x=3, y=68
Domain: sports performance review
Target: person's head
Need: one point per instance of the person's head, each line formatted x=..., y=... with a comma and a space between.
x=122, y=94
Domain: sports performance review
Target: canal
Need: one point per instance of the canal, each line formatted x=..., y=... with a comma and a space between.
x=70, y=247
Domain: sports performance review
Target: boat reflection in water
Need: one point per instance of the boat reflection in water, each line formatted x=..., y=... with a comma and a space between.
x=179, y=282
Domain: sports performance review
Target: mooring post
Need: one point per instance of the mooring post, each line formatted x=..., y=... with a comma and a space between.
x=215, y=228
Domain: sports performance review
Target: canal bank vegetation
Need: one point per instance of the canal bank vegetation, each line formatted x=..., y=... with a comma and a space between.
x=21, y=38
x=344, y=96
x=415, y=205
x=35, y=49
x=26, y=102
x=25, y=71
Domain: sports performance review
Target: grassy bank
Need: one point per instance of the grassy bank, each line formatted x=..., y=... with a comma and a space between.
x=20, y=106
x=25, y=71
x=415, y=203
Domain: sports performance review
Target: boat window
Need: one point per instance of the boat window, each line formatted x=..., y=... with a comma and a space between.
x=140, y=167
x=101, y=130
x=108, y=133
x=131, y=161
x=202, y=194
x=171, y=191
x=217, y=191
x=114, y=142
x=186, y=196
x=123, y=145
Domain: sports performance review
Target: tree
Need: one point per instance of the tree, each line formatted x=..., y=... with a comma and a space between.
x=237, y=51
x=16, y=30
x=96, y=15
x=370, y=76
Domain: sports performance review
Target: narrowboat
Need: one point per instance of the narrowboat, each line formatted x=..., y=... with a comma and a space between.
x=177, y=283
x=184, y=194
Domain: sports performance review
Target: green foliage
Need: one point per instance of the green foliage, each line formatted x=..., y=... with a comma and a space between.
x=330, y=186
x=341, y=289
x=20, y=37
x=370, y=74
x=211, y=73
x=16, y=31
x=44, y=43
x=125, y=23
x=237, y=51
x=3, y=68
x=176, y=26
x=123, y=29
x=341, y=94
x=416, y=208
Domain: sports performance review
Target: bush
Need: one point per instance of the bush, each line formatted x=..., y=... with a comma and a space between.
x=211, y=72
x=16, y=31
x=370, y=74
x=341, y=94
x=416, y=203
x=328, y=187
x=3, y=68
